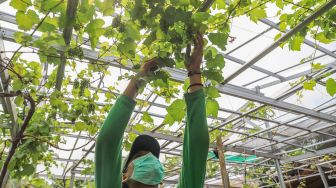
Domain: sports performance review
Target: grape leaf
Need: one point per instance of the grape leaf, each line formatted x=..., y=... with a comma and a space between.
x=146, y=118
x=257, y=14
x=295, y=43
x=212, y=107
x=20, y=5
x=219, y=39
x=177, y=110
x=26, y=21
x=322, y=38
x=168, y=120
x=95, y=30
x=132, y=31
x=309, y=85
x=217, y=62
x=28, y=169
x=331, y=86
x=212, y=92
x=49, y=24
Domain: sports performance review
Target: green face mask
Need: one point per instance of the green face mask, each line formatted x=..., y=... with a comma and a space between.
x=148, y=170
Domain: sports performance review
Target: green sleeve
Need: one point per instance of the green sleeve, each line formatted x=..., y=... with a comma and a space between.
x=108, y=145
x=196, y=142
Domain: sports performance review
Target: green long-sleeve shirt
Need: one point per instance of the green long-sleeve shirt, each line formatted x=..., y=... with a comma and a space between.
x=108, y=172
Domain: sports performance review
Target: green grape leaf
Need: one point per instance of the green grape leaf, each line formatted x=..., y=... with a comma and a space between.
x=317, y=66
x=283, y=26
x=212, y=92
x=20, y=5
x=132, y=31
x=28, y=169
x=331, y=86
x=217, y=62
x=168, y=120
x=19, y=100
x=147, y=118
x=309, y=85
x=219, y=4
x=322, y=38
x=257, y=14
x=177, y=110
x=279, y=3
x=295, y=43
x=95, y=30
x=139, y=127
x=106, y=7
x=22, y=38
x=127, y=47
x=219, y=39
x=26, y=21
x=215, y=75
x=212, y=107
x=200, y=17
x=276, y=37
x=49, y=24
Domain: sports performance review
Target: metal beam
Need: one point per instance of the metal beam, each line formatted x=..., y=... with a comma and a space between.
x=282, y=39
x=306, y=41
x=7, y=102
x=255, y=96
x=277, y=161
x=324, y=180
x=279, y=172
x=295, y=136
x=310, y=155
x=298, y=75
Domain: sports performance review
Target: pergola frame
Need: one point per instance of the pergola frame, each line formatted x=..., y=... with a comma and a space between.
x=312, y=122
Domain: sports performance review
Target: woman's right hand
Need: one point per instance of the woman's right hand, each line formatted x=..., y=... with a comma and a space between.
x=148, y=67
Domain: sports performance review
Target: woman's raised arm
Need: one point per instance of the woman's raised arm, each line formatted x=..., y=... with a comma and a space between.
x=196, y=135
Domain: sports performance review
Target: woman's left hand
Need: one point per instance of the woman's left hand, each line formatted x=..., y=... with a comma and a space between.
x=197, y=55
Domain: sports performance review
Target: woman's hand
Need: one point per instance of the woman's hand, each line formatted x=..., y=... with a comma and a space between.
x=148, y=67
x=135, y=83
x=194, y=66
x=197, y=55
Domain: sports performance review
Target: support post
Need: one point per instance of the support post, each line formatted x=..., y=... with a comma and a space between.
x=225, y=176
x=72, y=179
x=279, y=171
x=277, y=161
x=323, y=177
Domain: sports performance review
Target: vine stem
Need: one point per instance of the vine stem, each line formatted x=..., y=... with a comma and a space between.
x=19, y=136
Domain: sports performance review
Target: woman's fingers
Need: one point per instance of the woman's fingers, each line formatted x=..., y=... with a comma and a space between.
x=200, y=39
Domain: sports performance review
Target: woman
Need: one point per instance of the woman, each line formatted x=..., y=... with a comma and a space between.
x=142, y=168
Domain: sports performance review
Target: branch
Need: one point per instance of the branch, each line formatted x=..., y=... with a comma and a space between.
x=3, y=94
x=18, y=137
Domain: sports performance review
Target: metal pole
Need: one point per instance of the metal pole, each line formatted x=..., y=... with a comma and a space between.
x=279, y=171
x=277, y=161
x=220, y=149
x=282, y=39
x=72, y=179
x=324, y=179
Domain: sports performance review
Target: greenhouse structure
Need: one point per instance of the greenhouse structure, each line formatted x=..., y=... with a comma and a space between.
x=268, y=72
